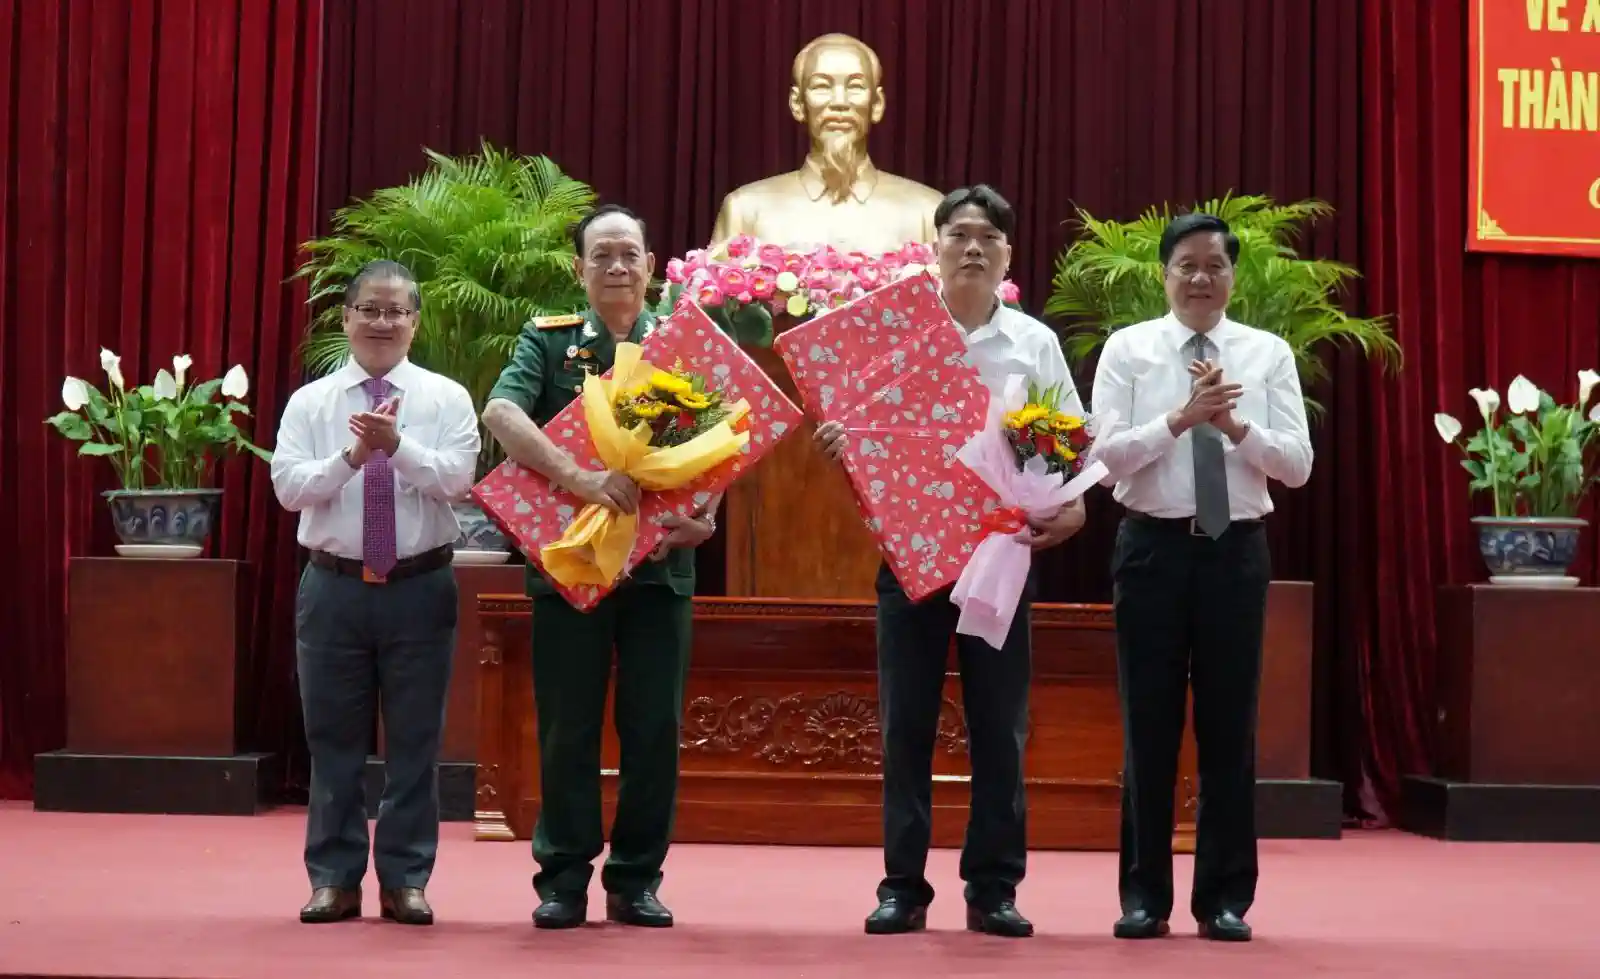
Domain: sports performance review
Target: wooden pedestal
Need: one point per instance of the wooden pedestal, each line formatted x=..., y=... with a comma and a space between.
x=781, y=741
x=1517, y=732
x=156, y=674
x=799, y=497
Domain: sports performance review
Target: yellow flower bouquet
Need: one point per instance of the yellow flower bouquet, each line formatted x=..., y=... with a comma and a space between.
x=663, y=428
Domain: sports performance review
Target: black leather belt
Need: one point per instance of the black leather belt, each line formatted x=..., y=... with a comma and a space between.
x=409, y=567
x=1188, y=524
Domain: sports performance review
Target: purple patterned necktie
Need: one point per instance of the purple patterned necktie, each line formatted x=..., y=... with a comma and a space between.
x=377, y=491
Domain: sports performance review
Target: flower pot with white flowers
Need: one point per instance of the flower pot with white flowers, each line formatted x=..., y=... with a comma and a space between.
x=162, y=440
x=1534, y=462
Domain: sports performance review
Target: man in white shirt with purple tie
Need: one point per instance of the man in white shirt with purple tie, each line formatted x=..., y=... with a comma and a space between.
x=1208, y=410
x=371, y=457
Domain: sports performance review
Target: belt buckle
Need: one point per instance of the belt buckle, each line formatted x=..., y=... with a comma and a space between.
x=1194, y=528
x=372, y=577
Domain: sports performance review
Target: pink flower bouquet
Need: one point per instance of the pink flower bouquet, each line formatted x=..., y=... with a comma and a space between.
x=1037, y=458
x=744, y=284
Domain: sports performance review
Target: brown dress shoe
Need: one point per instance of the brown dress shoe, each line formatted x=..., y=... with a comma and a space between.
x=406, y=905
x=330, y=904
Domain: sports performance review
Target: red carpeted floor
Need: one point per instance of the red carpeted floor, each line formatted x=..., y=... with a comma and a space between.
x=173, y=896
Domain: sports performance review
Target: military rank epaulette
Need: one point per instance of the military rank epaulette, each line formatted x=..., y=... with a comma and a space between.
x=557, y=322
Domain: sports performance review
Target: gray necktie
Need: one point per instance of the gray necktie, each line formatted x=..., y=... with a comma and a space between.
x=1211, y=510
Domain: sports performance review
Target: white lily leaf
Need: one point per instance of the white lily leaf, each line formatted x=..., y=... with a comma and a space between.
x=112, y=365
x=1586, y=384
x=165, y=386
x=235, y=383
x=1522, y=396
x=74, y=393
x=1449, y=429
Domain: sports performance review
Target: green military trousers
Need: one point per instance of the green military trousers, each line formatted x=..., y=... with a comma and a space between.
x=648, y=625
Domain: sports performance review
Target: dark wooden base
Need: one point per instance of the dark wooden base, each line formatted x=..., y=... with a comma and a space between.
x=1449, y=810
x=237, y=785
x=456, y=785
x=781, y=740
x=1299, y=809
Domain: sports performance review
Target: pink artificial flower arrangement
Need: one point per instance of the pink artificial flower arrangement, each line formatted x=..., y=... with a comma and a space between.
x=744, y=283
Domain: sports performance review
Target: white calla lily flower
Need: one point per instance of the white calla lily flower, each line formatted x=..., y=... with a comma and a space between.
x=1448, y=427
x=74, y=393
x=180, y=368
x=1522, y=397
x=1586, y=384
x=165, y=386
x=1488, y=401
x=235, y=383
x=112, y=365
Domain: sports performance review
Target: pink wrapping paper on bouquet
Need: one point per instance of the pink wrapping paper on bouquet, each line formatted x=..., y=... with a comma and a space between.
x=533, y=513
x=892, y=368
x=990, y=587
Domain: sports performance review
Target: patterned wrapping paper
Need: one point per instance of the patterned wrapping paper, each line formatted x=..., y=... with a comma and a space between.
x=892, y=367
x=533, y=513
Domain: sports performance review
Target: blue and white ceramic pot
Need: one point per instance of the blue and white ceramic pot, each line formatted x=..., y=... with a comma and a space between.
x=481, y=540
x=1529, y=552
x=164, y=517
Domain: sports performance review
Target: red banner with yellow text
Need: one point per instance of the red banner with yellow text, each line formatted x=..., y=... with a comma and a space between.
x=1535, y=127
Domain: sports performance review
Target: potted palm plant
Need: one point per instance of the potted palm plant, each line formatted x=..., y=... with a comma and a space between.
x=1536, y=467
x=487, y=237
x=1111, y=277
x=163, y=440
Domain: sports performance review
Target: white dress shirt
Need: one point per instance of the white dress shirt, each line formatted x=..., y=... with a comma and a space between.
x=1012, y=342
x=1143, y=375
x=433, y=467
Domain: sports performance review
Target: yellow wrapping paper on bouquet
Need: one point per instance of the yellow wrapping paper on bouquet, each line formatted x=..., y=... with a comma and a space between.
x=594, y=549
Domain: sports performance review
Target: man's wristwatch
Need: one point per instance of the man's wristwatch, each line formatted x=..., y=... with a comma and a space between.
x=344, y=454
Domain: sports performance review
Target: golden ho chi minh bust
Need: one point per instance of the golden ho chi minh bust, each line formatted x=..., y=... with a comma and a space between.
x=837, y=197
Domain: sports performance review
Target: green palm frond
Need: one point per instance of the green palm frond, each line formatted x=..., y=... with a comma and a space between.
x=486, y=236
x=1111, y=277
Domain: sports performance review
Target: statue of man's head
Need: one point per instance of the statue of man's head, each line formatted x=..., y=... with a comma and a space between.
x=838, y=95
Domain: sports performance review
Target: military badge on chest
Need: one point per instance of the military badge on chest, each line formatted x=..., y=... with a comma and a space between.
x=580, y=360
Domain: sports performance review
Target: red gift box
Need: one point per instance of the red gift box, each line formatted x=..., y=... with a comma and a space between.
x=534, y=514
x=892, y=368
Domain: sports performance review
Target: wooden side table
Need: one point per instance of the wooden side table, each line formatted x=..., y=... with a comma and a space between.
x=156, y=675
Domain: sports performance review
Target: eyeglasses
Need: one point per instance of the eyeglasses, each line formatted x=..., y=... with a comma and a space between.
x=1190, y=272
x=371, y=312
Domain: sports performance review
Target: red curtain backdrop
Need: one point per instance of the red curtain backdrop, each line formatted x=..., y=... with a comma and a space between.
x=1466, y=321
x=1109, y=105
x=159, y=169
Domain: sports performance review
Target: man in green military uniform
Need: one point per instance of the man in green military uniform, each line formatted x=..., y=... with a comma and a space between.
x=646, y=619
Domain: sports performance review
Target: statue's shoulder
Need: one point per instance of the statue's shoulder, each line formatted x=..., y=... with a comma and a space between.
x=765, y=186
x=906, y=187
x=565, y=322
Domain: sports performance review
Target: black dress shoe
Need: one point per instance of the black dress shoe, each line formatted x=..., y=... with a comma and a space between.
x=561, y=911
x=896, y=916
x=1003, y=919
x=641, y=910
x=406, y=905
x=1225, y=927
x=1139, y=924
x=330, y=904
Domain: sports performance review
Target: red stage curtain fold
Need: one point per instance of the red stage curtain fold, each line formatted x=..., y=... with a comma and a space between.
x=160, y=167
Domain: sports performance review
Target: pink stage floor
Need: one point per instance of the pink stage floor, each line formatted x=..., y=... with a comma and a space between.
x=173, y=896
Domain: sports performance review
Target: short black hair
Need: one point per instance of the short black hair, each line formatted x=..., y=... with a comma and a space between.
x=994, y=207
x=382, y=268
x=580, y=228
x=1189, y=225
